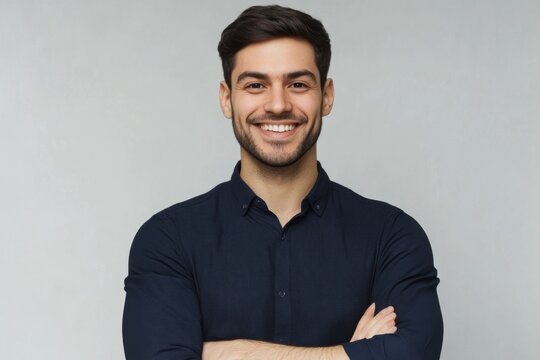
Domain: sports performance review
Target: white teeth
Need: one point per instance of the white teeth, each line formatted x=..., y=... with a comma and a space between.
x=277, y=128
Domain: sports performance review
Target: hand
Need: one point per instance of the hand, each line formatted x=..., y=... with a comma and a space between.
x=370, y=324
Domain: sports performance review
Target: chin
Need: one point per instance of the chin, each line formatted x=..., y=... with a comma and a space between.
x=277, y=162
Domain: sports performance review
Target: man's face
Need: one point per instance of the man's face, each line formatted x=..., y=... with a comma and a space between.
x=276, y=100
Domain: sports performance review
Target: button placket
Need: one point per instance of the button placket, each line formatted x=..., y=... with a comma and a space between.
x=282, y=285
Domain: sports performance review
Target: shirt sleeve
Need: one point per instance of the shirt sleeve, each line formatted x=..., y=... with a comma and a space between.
x=406, y=279
x=161, y=313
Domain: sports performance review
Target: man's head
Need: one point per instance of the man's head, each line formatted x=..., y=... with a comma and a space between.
x=275, y=63
x=259, y=23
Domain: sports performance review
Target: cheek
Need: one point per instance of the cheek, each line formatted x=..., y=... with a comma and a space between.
x=310, y=107
x=245, y=106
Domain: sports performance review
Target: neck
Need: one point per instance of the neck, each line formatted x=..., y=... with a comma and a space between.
x=282, y=188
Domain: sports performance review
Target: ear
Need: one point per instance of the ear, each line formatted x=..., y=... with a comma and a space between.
x=328, y=97
x=225, y=99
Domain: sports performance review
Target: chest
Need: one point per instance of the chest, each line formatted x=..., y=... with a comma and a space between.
x=306, y=285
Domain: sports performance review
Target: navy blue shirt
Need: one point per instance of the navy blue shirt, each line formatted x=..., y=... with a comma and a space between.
x=220, y=266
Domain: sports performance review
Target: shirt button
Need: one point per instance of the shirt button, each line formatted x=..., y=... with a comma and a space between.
x=244, y=206
x=282, y=294
x=282, y=237
x=318, y=206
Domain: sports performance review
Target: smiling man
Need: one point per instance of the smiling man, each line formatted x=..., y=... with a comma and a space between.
x=280, y=262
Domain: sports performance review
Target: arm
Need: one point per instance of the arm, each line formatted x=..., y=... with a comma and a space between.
x=368, y=326
x=258, y=350
x=161, y=313
x=406, y=278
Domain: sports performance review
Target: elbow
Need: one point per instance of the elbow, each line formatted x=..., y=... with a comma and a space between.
x=416, y=346
x=398, y=346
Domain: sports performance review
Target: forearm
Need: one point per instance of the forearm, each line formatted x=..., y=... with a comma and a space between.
x=259, y=350
x=242, y=349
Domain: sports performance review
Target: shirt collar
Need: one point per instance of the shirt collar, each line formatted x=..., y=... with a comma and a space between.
x=241, y=190
x=317, y=198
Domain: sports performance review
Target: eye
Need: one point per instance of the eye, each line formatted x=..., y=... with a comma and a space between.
x=298, y=85
x=254, y=86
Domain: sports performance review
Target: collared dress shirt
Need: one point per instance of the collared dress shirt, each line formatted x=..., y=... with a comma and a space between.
x=220, y=266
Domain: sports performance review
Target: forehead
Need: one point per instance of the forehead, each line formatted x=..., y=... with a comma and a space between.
x=275, y=57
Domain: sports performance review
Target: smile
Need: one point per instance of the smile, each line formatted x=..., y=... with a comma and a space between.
x=277, y=128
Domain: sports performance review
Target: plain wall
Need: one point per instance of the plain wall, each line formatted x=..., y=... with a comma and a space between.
x=109, y=113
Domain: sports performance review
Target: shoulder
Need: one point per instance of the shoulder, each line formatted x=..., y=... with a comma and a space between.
x=202, y=205
x=165, y=226
x=388, y=218
x=355, y=203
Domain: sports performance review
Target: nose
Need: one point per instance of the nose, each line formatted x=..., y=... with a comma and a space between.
x=278, y=101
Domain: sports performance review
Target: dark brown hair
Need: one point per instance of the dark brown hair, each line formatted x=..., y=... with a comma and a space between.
x=259, y=23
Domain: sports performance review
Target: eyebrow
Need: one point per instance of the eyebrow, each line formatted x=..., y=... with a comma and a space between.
x=263, y=76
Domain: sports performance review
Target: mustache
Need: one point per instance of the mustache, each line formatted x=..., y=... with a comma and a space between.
x=276, y=117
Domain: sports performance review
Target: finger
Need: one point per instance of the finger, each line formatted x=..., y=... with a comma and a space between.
x=359, y=332
x=382, y=321
x=379, y=320
x=386, y=323
x=376, y=320
x=368, y=316
x=386, y=330
x=380, y=315
x=382, y=326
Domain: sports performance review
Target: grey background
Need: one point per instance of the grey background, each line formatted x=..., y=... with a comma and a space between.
x=109, y=113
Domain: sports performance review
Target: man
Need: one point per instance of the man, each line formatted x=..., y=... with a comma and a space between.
x=280, y=262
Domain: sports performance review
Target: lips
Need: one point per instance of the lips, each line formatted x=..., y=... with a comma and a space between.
x=277, y=126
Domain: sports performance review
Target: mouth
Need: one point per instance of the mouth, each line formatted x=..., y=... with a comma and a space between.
x=277, y=128
x=278, y=131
